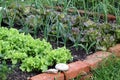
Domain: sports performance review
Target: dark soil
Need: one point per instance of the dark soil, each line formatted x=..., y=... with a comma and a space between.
x=17, y=74
x=78, y=54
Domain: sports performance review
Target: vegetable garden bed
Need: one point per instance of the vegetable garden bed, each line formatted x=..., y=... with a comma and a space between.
x=75, y=34
x=92, y=68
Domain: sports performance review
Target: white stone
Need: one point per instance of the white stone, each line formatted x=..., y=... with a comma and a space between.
x=62, y=67
x=52, y=71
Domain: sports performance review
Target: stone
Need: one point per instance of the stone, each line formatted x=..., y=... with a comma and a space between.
x=62, y=67
x=52, y=71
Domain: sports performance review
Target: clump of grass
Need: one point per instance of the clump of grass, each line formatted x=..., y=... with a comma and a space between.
x=109, y=70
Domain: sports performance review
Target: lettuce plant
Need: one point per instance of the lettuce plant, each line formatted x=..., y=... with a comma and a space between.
x=31, y=54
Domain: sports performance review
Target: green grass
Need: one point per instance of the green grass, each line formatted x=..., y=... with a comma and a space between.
x=109, y=70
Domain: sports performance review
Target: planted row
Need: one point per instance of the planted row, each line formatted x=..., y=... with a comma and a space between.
x=62, y=28
x=31, y=54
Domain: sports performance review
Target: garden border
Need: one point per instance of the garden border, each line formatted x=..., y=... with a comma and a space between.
x=91, y=62
x=110, y=17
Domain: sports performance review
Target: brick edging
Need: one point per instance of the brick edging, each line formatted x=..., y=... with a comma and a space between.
x=82, y=12
x=80, y=67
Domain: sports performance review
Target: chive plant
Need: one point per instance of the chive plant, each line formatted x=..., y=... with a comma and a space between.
x=85, y=8
x=1, y=15
x=35, y=28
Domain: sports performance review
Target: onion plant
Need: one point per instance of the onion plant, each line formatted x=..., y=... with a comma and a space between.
x=86, y=46
x=0, y=17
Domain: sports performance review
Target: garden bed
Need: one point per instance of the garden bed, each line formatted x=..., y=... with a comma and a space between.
x=100, y=60
x=82, y=34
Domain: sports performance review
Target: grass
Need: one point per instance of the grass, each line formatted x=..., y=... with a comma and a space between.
x=109, y=70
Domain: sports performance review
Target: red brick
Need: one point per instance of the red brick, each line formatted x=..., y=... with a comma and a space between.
x=75, y=69
x=46, y=76
x=111, y=17
x=94, y=59
x=115, y=50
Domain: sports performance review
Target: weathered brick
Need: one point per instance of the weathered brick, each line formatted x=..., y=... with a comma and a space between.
x=46, y=76
x=94, y=59
x=75, y=69
x=115, y=50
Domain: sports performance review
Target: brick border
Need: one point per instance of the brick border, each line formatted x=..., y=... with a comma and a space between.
x=82, y=12
x=46, y=76
x=115, y=50
x=80, y=67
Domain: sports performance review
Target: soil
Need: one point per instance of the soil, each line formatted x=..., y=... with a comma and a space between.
x=17, y=74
